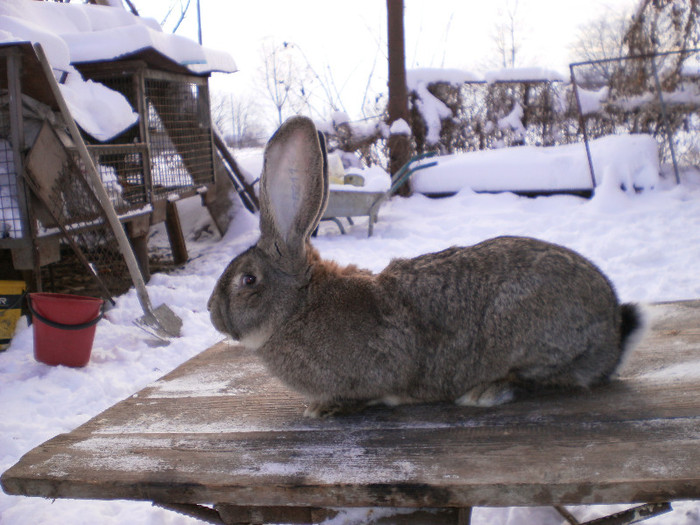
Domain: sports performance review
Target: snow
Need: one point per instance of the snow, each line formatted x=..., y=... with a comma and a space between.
x=513, y=121
x=376, y=180
x=400, y=127
x=433, y=111
x=648, y=243
x=73, y=33
x=524, y=74
x=359, y=130
x=415, y=77
x=591, y=101
x=629, y=161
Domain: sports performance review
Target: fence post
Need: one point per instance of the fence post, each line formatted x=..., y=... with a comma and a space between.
x=664, y=116
x=582, y=123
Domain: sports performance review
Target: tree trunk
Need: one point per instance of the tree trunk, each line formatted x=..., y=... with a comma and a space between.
x=399, y=145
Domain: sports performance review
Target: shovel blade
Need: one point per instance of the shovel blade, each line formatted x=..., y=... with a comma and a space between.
x=161, y=322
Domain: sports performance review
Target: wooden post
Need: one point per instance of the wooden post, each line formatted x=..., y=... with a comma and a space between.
x=27, y=218
x=175, y=235
x=399, y=145
x=140, y=246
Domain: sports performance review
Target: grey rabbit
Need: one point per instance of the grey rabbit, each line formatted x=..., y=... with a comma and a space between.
x=472, y=325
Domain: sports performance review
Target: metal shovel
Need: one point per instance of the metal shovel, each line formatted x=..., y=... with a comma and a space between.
x=162, y=321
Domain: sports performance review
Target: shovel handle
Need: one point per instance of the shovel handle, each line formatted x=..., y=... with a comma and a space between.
x=100, y=192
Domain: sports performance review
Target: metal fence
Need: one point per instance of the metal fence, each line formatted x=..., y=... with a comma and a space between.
x=638, y=94
x=635, y=94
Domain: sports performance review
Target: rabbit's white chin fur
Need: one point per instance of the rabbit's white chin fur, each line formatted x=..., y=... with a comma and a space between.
x=257, y=338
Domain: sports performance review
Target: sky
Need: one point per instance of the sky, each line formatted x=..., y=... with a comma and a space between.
x=347, y=40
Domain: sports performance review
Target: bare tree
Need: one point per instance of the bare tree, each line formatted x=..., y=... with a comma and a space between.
x=182, y=8
x=246, y=128
x=286, y=78
x=218, y=111
x=238, y=118
x=601, y=39
x=507, y=36
x=659, y=26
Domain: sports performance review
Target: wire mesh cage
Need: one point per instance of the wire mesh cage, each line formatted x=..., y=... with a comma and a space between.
x=65, y=205
x=46, y=195
x=72, y=207
x=10, y=213
x=179, y=129
x=122, y=170
x=175, y=132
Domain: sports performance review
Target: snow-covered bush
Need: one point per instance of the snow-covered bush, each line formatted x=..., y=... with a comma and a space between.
x=504, y=108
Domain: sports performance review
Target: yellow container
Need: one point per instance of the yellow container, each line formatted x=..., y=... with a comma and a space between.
x=10, y=309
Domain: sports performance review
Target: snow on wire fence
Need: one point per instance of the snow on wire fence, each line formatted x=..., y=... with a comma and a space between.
x=656, y=94
x=455, y=112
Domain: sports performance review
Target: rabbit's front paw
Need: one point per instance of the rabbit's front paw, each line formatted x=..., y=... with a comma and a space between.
x=325, y=409
x=488, y=395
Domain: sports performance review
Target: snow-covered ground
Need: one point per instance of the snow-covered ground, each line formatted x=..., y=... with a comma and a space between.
x=627, y=161
x=648, y=243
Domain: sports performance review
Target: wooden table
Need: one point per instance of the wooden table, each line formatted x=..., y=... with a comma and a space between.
x=220, y=430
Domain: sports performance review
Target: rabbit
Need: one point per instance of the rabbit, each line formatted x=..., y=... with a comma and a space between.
x=474, y=325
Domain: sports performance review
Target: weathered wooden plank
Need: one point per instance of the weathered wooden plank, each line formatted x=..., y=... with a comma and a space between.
x=414, y=467
x=220, y=429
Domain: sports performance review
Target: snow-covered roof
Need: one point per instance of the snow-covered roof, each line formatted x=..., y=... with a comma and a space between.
x=77, y=33
x=74, y=33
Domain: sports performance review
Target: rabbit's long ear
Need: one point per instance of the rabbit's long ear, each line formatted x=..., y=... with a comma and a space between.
x=292, y=192
x=326, y=180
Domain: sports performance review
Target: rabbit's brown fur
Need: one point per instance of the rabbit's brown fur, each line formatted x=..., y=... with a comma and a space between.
x=464, y=324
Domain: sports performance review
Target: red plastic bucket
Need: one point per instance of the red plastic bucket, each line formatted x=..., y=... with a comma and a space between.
x=64, y=327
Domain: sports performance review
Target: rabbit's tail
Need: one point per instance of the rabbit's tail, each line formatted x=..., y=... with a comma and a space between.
x=632, y=327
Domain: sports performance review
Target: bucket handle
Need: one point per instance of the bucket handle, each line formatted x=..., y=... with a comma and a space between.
x=61, y=326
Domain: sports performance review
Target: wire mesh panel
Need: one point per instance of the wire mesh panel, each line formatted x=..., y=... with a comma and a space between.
x=176, y=130
x=122, y=164
x=179, y=127
x=122, y=170
x=10, y=217
x=66, y=205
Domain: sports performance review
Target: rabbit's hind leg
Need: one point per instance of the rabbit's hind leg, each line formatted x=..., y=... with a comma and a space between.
x=488, y=394
x=590, y=368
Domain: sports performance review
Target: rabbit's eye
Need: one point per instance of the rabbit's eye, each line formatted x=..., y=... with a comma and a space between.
x=248, y=280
